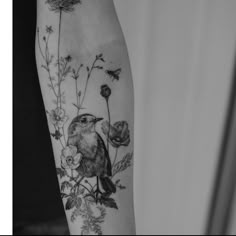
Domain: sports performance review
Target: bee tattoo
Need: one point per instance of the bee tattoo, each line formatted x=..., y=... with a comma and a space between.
x=114, y=74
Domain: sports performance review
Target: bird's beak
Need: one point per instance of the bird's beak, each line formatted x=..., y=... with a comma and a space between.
x=97, y=120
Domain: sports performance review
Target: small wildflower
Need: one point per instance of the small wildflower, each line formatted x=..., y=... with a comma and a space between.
x=49, y=29
x=68, y=58
x=58, y=117
x=62, y=5
x=70, y=158
x=57, y=135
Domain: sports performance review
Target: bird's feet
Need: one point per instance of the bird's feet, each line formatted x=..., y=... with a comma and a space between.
x=98, y=195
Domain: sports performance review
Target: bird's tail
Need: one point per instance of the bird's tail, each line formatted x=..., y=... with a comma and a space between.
x=108, y=185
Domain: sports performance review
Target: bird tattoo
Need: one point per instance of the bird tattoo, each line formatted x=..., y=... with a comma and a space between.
x=95, y=160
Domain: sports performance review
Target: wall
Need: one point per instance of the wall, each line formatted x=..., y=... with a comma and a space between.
x=182, y=54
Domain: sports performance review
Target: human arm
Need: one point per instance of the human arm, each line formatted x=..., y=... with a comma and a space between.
x=83, y=68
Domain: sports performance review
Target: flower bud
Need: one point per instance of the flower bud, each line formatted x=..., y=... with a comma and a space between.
x=105, y=91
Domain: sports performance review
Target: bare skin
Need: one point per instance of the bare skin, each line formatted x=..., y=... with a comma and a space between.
x=87, y=88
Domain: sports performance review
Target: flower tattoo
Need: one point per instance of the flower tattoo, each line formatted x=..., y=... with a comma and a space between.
x=70, y=159
x=58, y=117
x=49, y=29
x=119, y=133
x=68, y=59
x=57, y=135
x=62, y=5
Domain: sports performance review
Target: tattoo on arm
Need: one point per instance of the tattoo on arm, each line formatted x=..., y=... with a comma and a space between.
x=88, y=173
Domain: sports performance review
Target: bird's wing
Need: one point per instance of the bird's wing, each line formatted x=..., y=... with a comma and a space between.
x=102, y=148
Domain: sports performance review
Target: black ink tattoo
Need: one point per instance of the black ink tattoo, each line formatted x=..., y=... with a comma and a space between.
x=114, y=74
x=63, y=5
x=84, y=156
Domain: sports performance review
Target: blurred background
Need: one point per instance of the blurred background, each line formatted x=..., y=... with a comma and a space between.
x=36, y=198
x=183, y=61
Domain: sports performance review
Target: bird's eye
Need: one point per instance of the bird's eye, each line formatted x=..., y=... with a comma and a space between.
x=83, y=120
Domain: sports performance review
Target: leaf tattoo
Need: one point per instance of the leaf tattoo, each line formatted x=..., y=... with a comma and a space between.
x=60, y=172
x=109, y=202
x=123, y=164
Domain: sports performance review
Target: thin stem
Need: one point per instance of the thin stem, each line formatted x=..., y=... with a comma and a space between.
x=58, y=58
x=114, y=162
x=50, y=78
x=73, y=189
x=76, y=78
x=40, y=49
x=45, y=58
x=59, y=138
x=78, y=184
x=77, y=96
x=85, y=188
x=109, y=127
x=64, y=135
x=87, y=80
x=70, y=177
x=47, y=55
x=85, y=91
x=90, y=186
x=95, y=186
x=61, y=143
x=46, y=50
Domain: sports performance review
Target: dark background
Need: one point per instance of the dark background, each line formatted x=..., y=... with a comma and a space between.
x=36, y=192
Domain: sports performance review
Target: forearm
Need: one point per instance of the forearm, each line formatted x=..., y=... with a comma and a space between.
x=84, y=74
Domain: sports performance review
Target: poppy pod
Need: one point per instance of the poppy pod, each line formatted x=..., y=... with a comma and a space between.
x=105, y=91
